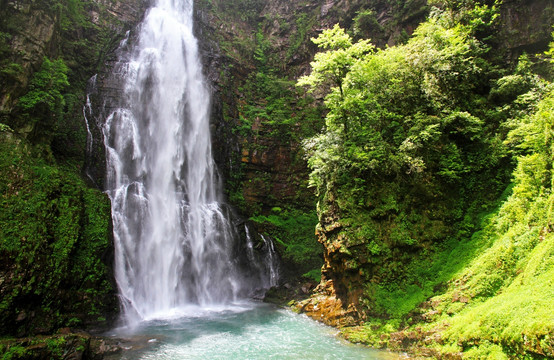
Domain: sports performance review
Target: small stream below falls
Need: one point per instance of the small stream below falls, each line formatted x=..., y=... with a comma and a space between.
x=241, y=331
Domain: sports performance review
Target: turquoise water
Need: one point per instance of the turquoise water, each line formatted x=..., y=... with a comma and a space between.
x=242, y=331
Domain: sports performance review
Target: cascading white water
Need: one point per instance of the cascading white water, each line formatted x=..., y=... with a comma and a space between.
x=87, y=110
x=175, y=244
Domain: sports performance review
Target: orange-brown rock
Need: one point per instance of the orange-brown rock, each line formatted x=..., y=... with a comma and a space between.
x=327, y=308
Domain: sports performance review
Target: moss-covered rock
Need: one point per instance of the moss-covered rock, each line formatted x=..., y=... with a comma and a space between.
x=55, y=245
x=65, y=344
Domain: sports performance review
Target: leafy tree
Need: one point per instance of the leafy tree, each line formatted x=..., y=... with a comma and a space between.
x=408, y=109
x=329, y=68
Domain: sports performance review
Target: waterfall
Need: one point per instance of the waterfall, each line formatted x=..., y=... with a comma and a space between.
x=87, y=110
x=175, y=241
x=87, y=116
x=271, y=261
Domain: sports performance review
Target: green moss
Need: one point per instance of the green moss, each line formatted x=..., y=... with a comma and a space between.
x=14, y=352
x=375, y=332
x=487, y=350
x=54, y=232
x=45, y=347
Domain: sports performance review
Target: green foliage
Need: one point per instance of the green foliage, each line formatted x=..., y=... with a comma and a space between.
x=414, y=109
x=510, y=283
x=45, y=347
x=11, y=70
x=262, y=47
x=44, y=102
x=550, y=52
x=14, y=352
x=365, y=23
x=293, y=232
x=333, y=39
x=369, y=22
x=314, y=275
x=333, y=65
x=46, y=87
x=479, y=16
x=498, y=290
x=72, y=14
x=54, y=232
x=411, y=167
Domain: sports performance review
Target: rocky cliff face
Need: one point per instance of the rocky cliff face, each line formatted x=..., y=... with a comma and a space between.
x=23, y=49
x=526, y=26
x=82, y=35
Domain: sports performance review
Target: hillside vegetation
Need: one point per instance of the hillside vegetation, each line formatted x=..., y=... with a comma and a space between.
x=56, y=246
x=434, y=179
